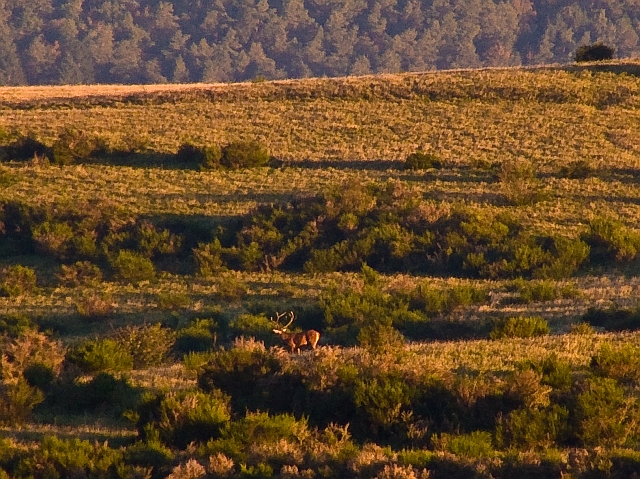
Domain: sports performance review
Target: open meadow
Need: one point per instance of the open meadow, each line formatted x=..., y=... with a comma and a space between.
x=467, y=243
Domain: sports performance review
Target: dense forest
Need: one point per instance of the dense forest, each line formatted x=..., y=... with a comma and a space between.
x=150, y=41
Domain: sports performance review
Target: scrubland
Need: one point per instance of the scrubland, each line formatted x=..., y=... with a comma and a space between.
x=479, y=313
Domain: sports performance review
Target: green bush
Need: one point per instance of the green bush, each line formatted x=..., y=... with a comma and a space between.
x=520, y=327
x=198, y=336
x=241, y=440
x=231, y=288
x=610, y=239
x=17, y=400
x=477, y=444
x=206, y=157
x=17, y=280
x=604, y=415
x=148, y=344
x=382, y=400
x=244, y=154
x=434, y=301
x=621, y=364
x=99, y=355
x=421, y=161
x=237, y=370
x=534, y=428
x=72, y=146
x=594, y=52
x=208, y=258
x=80, y=273
x=132, y=267
x=173, y=300
x=191, y=416
x=71, y=458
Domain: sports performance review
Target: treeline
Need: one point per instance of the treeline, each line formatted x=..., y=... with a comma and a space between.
x=145, y=41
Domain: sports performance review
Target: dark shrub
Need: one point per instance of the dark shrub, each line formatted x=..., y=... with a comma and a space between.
x=421, y=161
x=72, y=146
x=604, y=415
x=80, y=273
x=622, y=364
x=382, y=400
x=594, y=52
x=72, y=458
x=17, y=280
x=207, y=157
x=187, y=416
x=132, y=267
x=148, y=344
x=611, y=239
x=530, y=428
x=199, y=335
x=25, y=148
x=237, y=371
x=613, y=319
x=101, y=355
x=256, y=326
x=244, y=154
x=520, y=327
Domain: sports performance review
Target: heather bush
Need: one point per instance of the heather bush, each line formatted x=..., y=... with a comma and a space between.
x=73, y=146
x=208, y=258
x=16, y=280
x=382, y=399
x=604, y=415
x=71, y=458
x=256, y=326
x=99, y=355
x=520, y=327
x=80, y=273
x=421, y=161
x=621, y=364
x=244, y=154
x=610, y=239
x=205, y=157
x=197, y=336
x=191, y=416
x=580, y=169
x=476, y=444
x=148, y=344
x=231, y=288
x=534, y=428
x=237, y=371
x=132, y=267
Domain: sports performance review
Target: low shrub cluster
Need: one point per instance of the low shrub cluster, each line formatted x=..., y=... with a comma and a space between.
x=391, y=230
x=422, y=161
x=613, y=319
x=235, y=155
x=126, y=348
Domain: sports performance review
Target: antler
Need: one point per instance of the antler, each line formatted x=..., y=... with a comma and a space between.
x=291, y=315
x=277, y=320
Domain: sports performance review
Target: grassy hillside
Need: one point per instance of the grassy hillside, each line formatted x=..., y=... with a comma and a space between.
x=530, y=211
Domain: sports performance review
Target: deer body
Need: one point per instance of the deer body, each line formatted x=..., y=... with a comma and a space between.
x=295, y=340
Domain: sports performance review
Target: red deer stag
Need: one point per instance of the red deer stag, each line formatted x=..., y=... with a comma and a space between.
x=295, y=340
